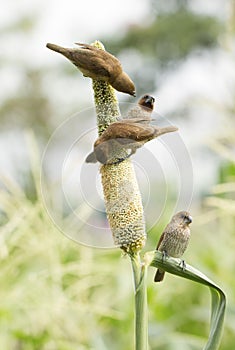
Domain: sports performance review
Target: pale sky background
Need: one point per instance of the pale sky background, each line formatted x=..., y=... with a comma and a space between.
x=66, y=22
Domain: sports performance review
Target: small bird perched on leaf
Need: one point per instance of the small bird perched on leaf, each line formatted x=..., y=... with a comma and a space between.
x=127, y=134
x=174, y=239
x=97, y=64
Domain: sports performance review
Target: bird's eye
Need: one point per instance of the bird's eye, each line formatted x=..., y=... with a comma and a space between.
x=184, y=217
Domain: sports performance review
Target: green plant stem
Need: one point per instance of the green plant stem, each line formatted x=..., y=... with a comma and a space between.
x=141, y=307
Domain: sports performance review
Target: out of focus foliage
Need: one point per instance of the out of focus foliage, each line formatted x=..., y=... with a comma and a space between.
x=29, y=107
x=170, y=36
x=56, y=295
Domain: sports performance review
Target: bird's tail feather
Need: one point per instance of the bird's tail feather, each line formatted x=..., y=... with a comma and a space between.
x=91, y=158
x=64, y=51
x=165, y=130
x=159, y=275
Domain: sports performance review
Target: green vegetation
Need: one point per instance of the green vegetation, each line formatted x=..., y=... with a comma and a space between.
x=58, y=295
x=165, y=37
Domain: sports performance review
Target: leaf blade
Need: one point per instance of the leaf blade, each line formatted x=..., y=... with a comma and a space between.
x=218, y=298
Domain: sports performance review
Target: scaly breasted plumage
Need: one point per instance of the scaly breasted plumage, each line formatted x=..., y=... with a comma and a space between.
x=143, y=109
x=174, y=239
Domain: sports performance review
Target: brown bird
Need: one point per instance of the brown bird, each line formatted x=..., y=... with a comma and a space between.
x=174, y=239
x=128, y=135
x=142, y=110
x=105, y=151
x=97, y=64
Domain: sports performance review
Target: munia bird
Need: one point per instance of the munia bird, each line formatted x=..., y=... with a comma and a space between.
x=97, y=64
x=174, y=239
x=142, y=110
x=128, y=134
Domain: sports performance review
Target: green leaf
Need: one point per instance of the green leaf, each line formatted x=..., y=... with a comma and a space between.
x=218, y=297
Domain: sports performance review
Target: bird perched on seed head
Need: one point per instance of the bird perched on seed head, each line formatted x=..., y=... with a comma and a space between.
x=142, y=110
x=127, y=134
x=97, y=64
x=124, y=135
x=174, y=239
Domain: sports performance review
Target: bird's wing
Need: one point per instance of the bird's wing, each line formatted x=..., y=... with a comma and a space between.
x=136, y=119
x=101, y=61
x=89, y=58
x=160, y=240
x=133, y=131
x=168, y=229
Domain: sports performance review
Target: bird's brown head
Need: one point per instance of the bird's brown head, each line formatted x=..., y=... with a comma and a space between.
x=182, y=218
x=124, y=84
x=147, y=102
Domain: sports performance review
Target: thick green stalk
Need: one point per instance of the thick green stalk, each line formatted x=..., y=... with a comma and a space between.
x=141, y=304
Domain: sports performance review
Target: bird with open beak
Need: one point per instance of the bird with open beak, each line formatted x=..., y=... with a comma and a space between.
x=97, y=64
x=174, y=239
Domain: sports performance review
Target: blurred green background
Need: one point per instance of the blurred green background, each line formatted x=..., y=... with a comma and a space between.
x=56, y=294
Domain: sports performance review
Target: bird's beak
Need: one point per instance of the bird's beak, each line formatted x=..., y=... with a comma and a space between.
x=134, y=94
x=189, y=219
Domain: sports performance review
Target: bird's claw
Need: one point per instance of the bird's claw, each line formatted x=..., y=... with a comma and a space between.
x=182, y=264
x=164, y=255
